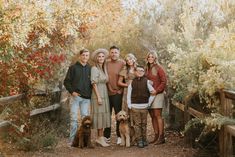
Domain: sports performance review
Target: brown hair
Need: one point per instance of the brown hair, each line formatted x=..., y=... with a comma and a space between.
x=83, y=51
x=114, y=47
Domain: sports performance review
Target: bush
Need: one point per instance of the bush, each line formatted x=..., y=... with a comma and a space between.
x=37, y=132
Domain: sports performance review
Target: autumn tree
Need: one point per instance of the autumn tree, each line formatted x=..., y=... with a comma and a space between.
x=38, y=38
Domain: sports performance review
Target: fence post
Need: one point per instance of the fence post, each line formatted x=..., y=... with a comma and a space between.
x=188, y=134
x=225, y=139
x=171, y=114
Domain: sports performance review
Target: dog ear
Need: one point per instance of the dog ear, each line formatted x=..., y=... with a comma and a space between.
x=84, y=118
x=91, y=120
x=82, y=121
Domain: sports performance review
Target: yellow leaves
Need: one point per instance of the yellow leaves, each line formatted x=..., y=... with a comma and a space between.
x=65, y=16
x=13, y=13
x=43, y=40
x=211, y=71
x=97, y=1
x=198, y=42
x=21, y=129
x=108, y=24
x=216, y=121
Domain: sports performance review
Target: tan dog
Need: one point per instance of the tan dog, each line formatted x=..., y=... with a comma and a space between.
x=83, y=135
x=124, y=128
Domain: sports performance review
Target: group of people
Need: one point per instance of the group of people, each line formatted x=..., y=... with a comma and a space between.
x=113, y=83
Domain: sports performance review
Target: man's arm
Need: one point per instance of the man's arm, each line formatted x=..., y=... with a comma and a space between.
x=68, y=80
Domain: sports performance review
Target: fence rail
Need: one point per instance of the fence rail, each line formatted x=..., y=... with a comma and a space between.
x=229, y=94
x=191, y=110
x=3, y=123
x=11, y=99
x=230, y=129
x=227, y=131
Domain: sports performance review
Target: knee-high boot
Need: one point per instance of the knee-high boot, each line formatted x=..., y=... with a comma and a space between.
x=161, y=138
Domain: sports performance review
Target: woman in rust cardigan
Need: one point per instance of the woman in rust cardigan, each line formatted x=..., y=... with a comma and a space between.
x=156, y=74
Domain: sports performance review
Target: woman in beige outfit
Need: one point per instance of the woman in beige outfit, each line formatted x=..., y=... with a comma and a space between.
x=100, y=109
x=126, y=75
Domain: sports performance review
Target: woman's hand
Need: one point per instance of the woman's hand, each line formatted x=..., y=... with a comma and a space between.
x=129, y=82
x=153, y=92
x=99, y=101
x=75, y=94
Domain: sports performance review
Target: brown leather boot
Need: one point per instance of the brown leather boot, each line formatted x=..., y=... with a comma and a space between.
x=155, y=139
x=160, y=140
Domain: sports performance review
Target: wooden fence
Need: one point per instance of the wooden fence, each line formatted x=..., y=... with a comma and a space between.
x=8, y=100
x=226, y=132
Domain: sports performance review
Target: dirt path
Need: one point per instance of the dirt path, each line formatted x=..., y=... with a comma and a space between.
x=172, y=148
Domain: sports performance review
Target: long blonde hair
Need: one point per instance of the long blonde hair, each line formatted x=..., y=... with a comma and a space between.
x=154, y=53
x=130, y=56
x=95, y=58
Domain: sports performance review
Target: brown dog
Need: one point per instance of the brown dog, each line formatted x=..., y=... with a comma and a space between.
x=127, y=133
x=83, y=135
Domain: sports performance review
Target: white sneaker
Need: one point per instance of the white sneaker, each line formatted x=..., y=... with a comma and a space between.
x=107, y=140
x=69, y=144
x=102, y=142
x=119, y=140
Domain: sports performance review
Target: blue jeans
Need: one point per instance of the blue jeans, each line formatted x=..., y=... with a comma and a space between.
x=76, y=104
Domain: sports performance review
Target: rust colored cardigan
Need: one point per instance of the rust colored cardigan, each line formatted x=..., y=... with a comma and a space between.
x=157, y=75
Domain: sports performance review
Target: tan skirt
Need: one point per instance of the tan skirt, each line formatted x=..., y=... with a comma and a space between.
x=158, y=101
